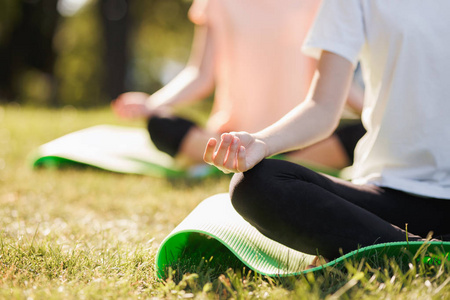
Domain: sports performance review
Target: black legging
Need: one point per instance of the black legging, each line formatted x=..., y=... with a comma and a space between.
x=315, y=213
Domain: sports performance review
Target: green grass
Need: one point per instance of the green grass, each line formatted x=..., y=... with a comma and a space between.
x=90, y=234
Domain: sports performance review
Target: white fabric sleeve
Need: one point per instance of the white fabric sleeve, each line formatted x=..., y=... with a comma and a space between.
x=338, y=28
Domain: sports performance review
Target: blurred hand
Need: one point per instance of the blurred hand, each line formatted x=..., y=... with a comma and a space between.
x=132, y=105
x=237, y=152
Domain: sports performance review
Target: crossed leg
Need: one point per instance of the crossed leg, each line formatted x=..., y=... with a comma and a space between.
x=318, y=214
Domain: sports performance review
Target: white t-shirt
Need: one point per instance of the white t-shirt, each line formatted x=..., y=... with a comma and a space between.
x=404, y=49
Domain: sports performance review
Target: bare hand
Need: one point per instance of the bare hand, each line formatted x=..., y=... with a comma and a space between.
x=237, y=152
x=131, y=105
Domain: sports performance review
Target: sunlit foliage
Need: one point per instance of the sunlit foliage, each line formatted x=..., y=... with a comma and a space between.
x=78, y=67
x=158, y=45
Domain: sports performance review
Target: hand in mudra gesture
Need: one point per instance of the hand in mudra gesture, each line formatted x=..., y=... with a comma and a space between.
x=236, y=152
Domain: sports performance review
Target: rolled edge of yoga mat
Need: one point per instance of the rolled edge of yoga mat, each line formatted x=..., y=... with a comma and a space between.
x=108, y=147
x=216, y=218
x=120, y=149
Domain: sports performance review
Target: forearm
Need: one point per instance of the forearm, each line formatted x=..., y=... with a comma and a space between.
x=188, y=86
x=305, y=125
x=318, y=116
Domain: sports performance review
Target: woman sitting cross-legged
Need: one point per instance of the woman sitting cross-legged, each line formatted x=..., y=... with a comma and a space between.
x=400, y=186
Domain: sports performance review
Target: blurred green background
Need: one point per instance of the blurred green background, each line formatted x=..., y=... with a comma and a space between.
x=84, y=53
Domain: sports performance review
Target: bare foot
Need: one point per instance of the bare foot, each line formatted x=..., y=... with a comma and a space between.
x=317, y=262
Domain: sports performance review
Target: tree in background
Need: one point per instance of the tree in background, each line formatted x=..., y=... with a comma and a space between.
x=26, y=48
x=116, y=19
x=79, y=67
x=160, y=41
x=87, y=57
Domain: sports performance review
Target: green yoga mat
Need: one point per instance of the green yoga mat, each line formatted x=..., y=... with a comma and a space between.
x=215, y=219
x=113, y=148
x=127, y=150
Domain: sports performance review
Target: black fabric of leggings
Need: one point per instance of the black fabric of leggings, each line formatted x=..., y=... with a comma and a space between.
x=316, y=213
x=349, y=135
x=167, y=133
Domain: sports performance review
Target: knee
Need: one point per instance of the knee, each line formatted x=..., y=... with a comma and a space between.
x=270, y=185
x=264, y=177
x=244, y=197
x=236, y=190
x=167, y=133
x=248, y=190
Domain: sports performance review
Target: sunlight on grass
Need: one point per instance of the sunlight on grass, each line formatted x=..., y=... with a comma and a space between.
x=84, y=233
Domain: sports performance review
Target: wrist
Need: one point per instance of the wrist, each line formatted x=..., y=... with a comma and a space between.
x=264, y=141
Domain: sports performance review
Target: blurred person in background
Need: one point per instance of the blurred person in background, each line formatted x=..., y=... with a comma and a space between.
x=249, y=53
